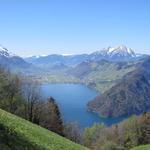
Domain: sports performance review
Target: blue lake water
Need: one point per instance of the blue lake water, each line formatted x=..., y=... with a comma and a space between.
x=72, y=100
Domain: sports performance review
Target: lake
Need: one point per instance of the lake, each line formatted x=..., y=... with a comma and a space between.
x=72, y=100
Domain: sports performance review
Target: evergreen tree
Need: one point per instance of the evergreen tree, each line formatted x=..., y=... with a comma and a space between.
x=51, y=117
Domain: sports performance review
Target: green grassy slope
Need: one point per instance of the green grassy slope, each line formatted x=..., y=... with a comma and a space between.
x=19, y=134
x=144, y=147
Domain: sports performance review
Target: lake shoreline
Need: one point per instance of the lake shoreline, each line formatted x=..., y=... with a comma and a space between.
x=72, y=100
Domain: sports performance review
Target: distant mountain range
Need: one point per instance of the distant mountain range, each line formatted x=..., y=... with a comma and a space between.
x=120, y=53
x=99, y=70
x=130, y=96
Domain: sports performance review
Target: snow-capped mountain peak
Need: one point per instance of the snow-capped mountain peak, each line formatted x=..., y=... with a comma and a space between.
x=120, y=51
x=114, y=53
x=5, y=52
x=110, y=49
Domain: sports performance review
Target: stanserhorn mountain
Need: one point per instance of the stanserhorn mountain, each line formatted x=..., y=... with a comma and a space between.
x=130, y=96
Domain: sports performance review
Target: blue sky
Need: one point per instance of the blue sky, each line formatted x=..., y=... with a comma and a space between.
x=33, y=27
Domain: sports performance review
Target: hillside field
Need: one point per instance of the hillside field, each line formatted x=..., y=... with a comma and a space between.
x=19, y=134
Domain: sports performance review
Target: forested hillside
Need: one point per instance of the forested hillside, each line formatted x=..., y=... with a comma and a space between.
x=130, y=96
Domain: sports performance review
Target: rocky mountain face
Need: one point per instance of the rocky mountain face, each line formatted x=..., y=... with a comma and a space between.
x=130, y=96
x=114, y=54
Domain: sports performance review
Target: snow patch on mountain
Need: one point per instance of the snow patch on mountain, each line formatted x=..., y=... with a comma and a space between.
x=5, y=52
x=119, y=51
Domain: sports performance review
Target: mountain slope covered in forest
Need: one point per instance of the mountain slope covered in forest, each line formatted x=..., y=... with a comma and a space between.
x=130, y=96
x=118, y=53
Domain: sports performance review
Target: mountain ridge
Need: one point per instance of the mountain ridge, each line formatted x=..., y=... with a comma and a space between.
x=119, y=53
x=130, y=96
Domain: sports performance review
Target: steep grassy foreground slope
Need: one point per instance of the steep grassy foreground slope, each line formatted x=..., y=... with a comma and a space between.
x=144, y=147
x=19, y=134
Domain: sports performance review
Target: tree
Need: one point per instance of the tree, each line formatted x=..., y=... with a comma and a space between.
x=10, y=93
x=144, y=126
x=73, y=132
x=51, y=118
x=91, y=134
x=32, y=95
